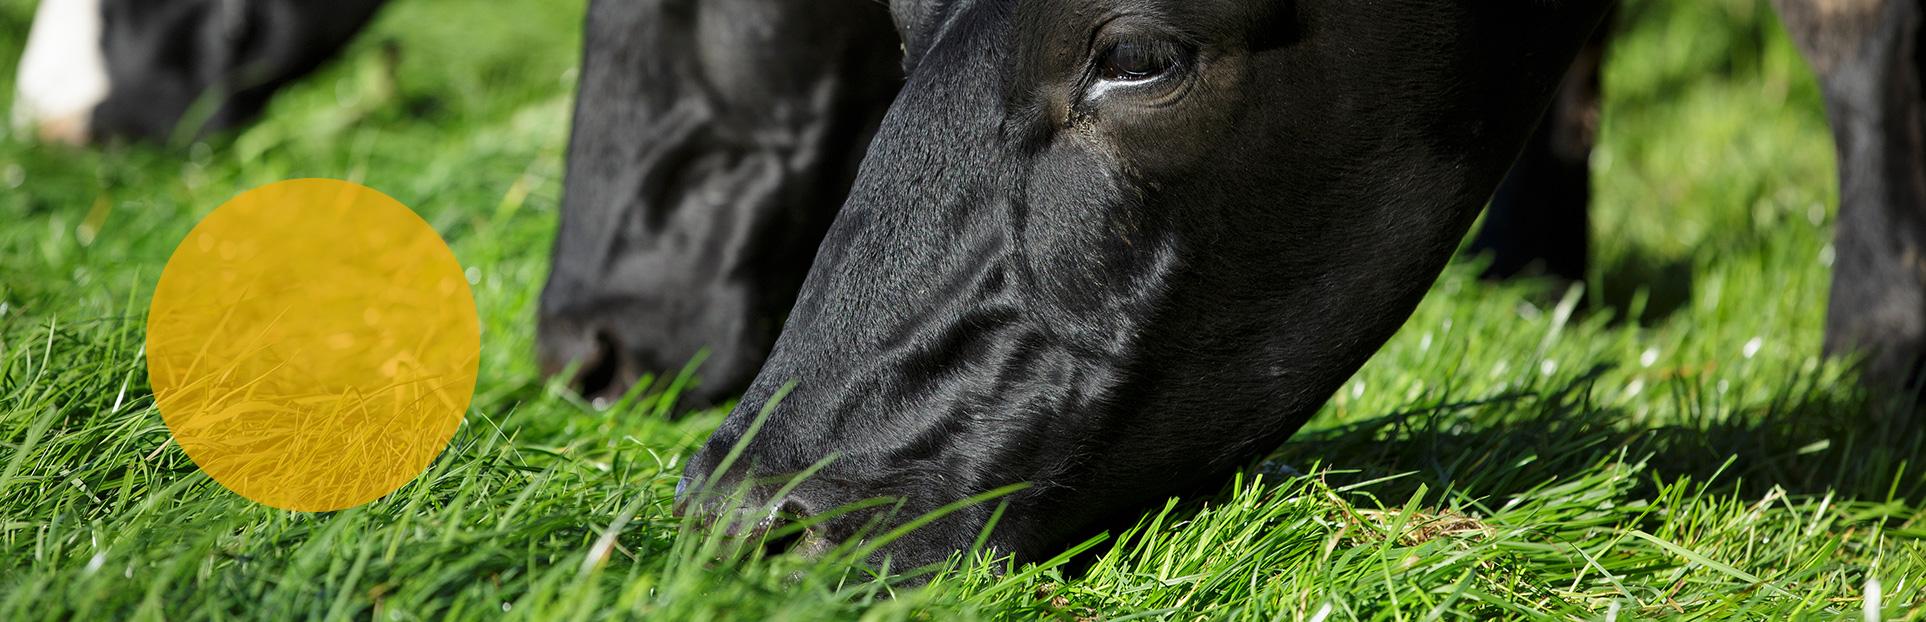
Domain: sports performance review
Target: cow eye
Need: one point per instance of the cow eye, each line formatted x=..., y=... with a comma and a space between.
x=1139, y=61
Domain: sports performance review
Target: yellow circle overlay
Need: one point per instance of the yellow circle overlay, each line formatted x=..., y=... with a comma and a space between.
x=313, y=345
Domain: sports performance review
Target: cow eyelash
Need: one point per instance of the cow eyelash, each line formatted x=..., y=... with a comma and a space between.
x=1138, y=60
x=1147, y=69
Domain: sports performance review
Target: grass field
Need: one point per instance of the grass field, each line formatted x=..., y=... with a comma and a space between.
x=1670, y=446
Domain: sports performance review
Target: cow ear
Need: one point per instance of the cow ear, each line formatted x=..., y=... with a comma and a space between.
x=914, y=19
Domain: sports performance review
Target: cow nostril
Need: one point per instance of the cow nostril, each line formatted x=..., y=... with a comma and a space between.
x=788, y=530
x=748, y=517
x=780, y=538
x=599, y=368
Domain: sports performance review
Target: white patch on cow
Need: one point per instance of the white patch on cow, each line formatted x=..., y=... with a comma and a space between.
x=63, y=73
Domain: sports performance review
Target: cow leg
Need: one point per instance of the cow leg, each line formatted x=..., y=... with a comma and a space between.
x=1537, y=223
x=714, y=142
x=1867, y=56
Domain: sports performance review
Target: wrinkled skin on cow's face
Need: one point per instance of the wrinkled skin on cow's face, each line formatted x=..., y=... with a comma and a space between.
x=713, y=142
x=1116, y=249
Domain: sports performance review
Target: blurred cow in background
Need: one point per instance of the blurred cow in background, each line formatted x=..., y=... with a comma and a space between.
x=153, y=70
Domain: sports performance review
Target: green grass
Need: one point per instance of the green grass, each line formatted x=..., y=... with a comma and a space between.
x=1513, y=453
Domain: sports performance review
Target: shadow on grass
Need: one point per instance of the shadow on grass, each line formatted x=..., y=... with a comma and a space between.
x=1641, y=289
x=1811, y=439
x=1636, y=288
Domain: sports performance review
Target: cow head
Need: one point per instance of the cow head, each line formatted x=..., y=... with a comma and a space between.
x=1115, y=249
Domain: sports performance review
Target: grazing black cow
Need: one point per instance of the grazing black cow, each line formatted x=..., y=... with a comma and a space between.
x=154, y=70
x=1115, y=249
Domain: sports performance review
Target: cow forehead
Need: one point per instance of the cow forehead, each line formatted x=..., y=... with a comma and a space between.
x=1032, y=42
x=1069, y=24
x=1200, y=21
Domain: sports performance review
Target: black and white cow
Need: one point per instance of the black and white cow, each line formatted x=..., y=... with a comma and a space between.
x=154, y=70
x=1110, y=249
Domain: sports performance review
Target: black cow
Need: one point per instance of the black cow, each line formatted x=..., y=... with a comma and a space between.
x=1115, y=249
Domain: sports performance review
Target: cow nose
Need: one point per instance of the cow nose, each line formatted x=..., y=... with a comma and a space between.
x=595, y=355
x=611, y=350
x=777, y=525
x=597, y=375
